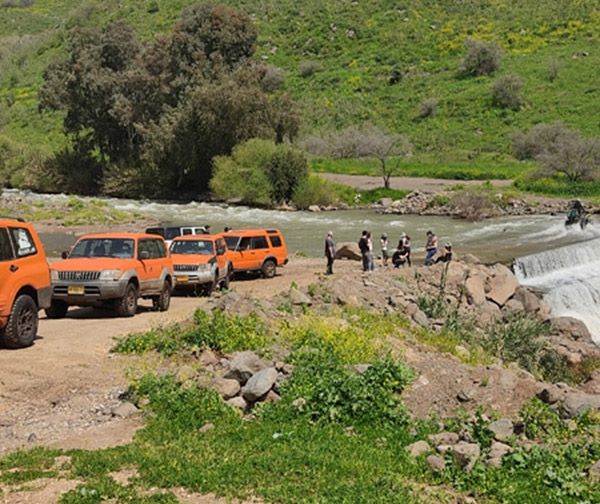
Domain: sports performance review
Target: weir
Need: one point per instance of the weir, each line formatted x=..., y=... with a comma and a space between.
x=569, y=279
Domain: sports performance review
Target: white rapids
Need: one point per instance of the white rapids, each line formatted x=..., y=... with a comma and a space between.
x=569, y=278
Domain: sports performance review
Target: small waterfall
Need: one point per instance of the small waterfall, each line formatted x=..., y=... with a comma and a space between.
x=569, y=278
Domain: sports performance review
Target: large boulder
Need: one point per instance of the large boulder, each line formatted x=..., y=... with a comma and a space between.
x=466, y=455
x=577, y=403
x=227, y=388
x=475, y=290
x=243, y=366
x=530, y=302
x=298, y=298
x=348, y=250
x=418, y=448
x=259, y=384
x=502, y=285
x=502, y=429
x=571, y=328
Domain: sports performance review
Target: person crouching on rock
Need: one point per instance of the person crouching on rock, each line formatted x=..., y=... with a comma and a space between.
x=446, y=255
x=329, y=252
x=431, y=248
x=401, y=256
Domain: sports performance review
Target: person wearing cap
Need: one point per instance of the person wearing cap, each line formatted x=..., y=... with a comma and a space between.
x=384, y=248
x=329, y=252
x=431, y=248
x=446, y=255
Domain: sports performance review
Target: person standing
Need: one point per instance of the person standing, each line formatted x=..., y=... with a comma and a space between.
x=384, y=249
x=329, y=252
x=431, y=248
x=363, y=245
x=370, y=263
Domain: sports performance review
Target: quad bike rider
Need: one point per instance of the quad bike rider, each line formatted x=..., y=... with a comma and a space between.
x=577, y=214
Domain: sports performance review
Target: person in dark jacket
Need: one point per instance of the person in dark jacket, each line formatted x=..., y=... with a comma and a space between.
x=446, y=255
x=363, y=245
x=329, y=252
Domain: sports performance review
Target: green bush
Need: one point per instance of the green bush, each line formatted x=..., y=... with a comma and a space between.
x=286, y=169
x=482, y=58
x=315, y=190
x=333, y=392
x=506, y=92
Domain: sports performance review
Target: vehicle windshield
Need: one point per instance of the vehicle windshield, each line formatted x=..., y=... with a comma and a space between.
x=201, y=247
x=172, y=232
x=232, y=242
x=121, y=248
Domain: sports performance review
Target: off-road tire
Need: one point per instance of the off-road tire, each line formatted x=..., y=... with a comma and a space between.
x=269, y=268
x=163, y=300
x=208, y=288
x=57, y=309
x=22, y=326
x=227, y=279
x=127, y=305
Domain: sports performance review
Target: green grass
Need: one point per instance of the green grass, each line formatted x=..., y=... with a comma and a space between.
x=357, y=45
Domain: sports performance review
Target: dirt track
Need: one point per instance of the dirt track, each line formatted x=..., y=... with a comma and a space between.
x=60, y=391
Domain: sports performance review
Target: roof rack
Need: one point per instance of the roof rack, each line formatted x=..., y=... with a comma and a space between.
x=12, y=217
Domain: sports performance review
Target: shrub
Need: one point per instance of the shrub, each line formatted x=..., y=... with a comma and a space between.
x=286, y=169
x=530, y=144
x=428, y=108
x=506, y=92
x=273, y=79
x=309, y=68
x=575, y=157
x=333, y=392
x=481, y=58
x=473, y=204
x=315, y=190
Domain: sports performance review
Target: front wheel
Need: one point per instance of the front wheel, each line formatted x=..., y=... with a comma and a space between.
x=22, y=325
x=57, y=310
x=127, y=305
x=163, y=300
x=269, y=268
x=227, y=279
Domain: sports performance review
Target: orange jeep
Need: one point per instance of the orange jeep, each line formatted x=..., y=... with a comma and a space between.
x=202, y=262
x=24, y=282
x=256, y=250
x=112, y=270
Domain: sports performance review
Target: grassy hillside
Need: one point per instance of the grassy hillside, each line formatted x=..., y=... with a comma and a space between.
x=357, y=46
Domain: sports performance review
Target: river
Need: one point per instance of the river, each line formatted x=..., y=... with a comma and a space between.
x=500, y=239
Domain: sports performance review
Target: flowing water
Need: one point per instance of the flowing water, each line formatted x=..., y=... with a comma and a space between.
x=564, y=263
x=569, y=278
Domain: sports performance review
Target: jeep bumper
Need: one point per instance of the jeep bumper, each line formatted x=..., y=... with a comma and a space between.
x=193, y=278
x=82, y=293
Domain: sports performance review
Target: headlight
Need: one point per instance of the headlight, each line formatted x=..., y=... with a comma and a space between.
x=204, y=267
x=53, y=275
x=110, y=274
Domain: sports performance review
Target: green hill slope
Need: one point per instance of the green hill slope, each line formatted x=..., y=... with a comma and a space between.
x=356, y=46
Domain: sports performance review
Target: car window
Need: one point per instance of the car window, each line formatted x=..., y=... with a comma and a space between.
x=221, y=246
x=156, y=231
x=275, y=241
x=245, y=243
x=120, y=248
x=172, y=232
x=186, y=231
x=232, y=242
x=162, y=249
x=23, y=242
x=150, y=246
x=201, y=247
x=6, y=252
x=259, y=242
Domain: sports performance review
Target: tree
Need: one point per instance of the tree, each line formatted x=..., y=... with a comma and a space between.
x=481, y=58
x=164, y=110
x=367, y=142
x=575, y=157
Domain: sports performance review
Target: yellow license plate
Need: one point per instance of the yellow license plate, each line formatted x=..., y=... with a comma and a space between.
x=76, y=290
x=182, y=279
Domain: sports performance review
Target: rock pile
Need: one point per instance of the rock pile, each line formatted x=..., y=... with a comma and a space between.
x=242, y=379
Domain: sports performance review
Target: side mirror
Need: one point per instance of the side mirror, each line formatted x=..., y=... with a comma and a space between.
x=144, y=255
x=64, y=254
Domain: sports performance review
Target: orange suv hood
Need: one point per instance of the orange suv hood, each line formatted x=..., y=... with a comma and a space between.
x=191, y=259
x=87, y=264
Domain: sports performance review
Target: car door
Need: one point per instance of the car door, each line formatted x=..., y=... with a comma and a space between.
x=147, y=265
x=26, y=267
x=221, y=249
x=7, y=273
x=260, y=249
